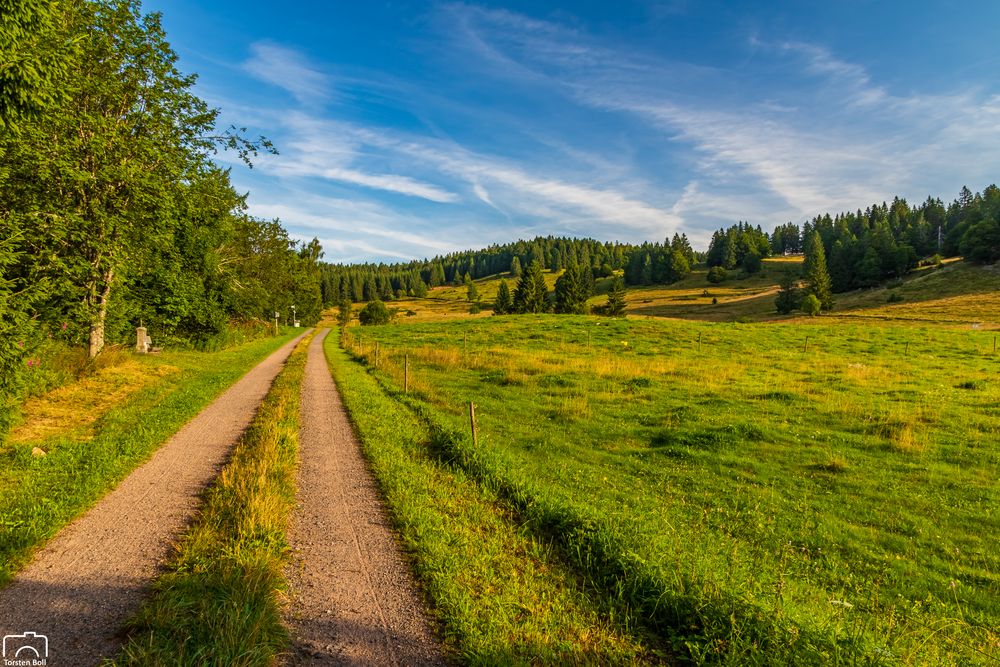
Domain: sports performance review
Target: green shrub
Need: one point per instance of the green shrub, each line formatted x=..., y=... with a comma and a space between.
x=374, y=313
x=716, y=274
x=811, y=305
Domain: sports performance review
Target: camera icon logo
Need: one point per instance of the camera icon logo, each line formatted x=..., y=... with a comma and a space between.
x=27, y=645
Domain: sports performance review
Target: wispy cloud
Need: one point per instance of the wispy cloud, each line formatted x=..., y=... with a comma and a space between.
x=288, y=69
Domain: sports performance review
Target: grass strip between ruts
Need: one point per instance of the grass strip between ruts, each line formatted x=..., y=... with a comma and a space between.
x=219, y=603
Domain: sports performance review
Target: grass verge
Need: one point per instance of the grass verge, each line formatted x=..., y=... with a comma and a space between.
x=218, y=603
x=502, y=596
x=39, y=495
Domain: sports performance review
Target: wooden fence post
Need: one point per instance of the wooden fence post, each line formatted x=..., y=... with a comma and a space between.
x=376, y=354
x=472, y=421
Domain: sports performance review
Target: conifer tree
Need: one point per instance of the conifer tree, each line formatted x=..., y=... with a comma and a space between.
x=571, y=292
x=515, y=267
x=503, y=304
x=616, y=298
x=817, y=277
x=530, y=294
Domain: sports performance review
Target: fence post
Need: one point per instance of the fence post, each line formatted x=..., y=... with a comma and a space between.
x=699, y=341
x=406, y=373
x=472, y=421
x=376, y=354
x=805, y=345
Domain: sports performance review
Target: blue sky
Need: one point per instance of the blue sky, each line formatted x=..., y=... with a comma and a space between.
x=410, y=129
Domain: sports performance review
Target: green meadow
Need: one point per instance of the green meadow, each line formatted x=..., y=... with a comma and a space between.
x=786, y=493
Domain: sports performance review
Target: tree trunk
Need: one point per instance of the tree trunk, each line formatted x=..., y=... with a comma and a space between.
x=97, y=324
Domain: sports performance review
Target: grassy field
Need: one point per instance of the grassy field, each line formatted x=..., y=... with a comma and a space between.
x=501, y=594
x=219, y=601
x=750, y=493
x=96, y=431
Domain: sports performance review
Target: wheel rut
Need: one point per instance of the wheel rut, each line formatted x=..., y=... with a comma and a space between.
x=82, y=587
x=353, y=598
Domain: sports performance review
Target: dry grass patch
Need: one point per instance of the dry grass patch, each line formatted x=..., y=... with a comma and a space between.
x=71, y=410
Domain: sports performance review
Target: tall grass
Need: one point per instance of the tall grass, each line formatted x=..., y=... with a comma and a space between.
x=219, y=601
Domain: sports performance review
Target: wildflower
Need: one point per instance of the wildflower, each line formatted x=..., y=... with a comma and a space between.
x=64, y=326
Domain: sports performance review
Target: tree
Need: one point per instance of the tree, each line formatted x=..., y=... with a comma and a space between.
x=752, y=263
x=503, y=305
x=615, y=306
x=716, y=275
x=344, y=313
x=811, y=305
x=36, y=50
x=789, y=297
x=374, y=313
x=571, y=292
x=530, y=293
x=471, y=291
x=96, y=180
x=515, y=267
x=817, y=278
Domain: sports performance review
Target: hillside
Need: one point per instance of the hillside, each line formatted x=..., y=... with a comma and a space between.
x=956, y=293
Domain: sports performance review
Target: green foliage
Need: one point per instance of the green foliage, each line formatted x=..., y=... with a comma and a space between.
x=659, y=264
x=752, y=263
x=374, y=313
x=817, y=279
x=789, y=296
x=730, y=247
x=344, y=312
x=572, y=291
x=35, y=53
x=716, y=275
x=503, y=304
x=811, y=305
x=471, y=291
x=615, y=306
x=530, y=295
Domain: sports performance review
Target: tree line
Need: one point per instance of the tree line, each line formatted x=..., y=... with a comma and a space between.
x=112, y=210
x=364, y=282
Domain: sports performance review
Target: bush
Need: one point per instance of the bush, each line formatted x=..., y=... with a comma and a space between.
x=811, y=305
x=374, y=313
x=752, y=263
x=894, y=298
x=716, y=274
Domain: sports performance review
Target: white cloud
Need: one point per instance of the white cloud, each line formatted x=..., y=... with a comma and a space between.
x=288, y=69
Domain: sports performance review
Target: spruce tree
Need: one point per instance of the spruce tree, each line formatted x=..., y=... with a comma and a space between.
x=817, y=277
x=571, y=292
x=503, y=304
x=515, y=267
x=616, y=298
x=789, y=296
x=529, y=296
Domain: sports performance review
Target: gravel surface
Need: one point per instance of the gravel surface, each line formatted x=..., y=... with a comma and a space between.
x=87, y=581
x=353, y=599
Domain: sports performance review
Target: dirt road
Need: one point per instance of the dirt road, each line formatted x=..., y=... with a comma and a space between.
x=353, y=599
x=80, y=588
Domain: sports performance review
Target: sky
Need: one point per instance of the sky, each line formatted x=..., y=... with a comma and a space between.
x=407, y=130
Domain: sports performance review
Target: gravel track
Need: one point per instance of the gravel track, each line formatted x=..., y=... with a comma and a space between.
x=87, y=581
x=353, y=599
